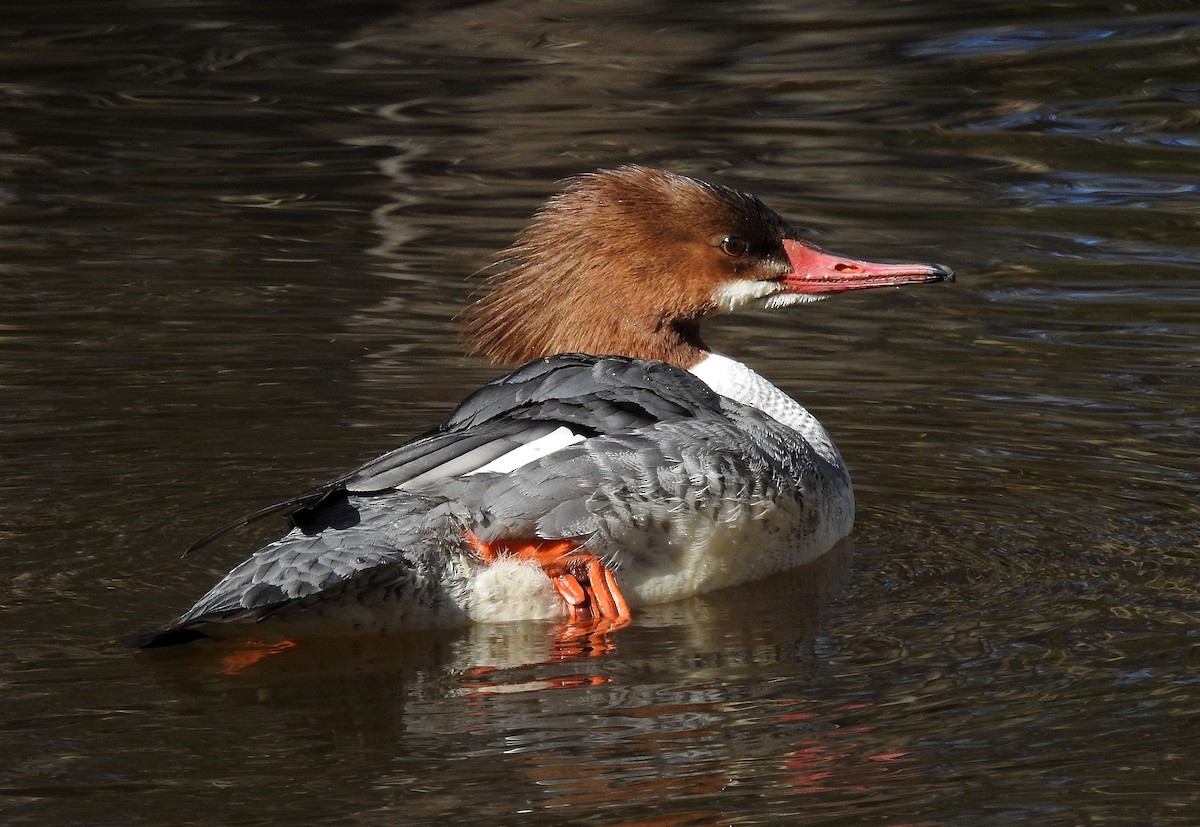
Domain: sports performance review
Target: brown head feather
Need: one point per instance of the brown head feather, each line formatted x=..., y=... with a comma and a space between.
x=625, y=261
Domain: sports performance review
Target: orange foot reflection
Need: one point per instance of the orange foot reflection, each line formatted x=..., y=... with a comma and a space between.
x=250, y=652
x=588, y=587
x=573, y=640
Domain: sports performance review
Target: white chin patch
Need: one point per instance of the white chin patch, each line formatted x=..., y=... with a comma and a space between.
x=788, y=299
x=765, y=295
x=734, y=294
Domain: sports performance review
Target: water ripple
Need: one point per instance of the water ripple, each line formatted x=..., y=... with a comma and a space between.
x=1015, y=40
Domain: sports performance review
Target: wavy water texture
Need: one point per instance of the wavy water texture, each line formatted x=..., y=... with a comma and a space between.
x=234, y=238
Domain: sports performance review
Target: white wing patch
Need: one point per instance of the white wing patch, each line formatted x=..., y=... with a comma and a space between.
x=557, y=439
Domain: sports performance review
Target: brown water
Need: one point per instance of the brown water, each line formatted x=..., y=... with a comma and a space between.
x=233, y=237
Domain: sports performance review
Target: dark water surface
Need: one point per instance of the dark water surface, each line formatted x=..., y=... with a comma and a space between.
x=233, y=237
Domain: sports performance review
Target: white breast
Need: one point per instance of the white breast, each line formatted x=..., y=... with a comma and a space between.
x=734, y=380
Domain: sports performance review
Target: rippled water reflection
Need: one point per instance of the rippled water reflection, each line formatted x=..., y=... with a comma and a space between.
x=233, y=240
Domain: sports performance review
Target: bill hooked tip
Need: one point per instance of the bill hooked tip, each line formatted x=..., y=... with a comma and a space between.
x=940, y=272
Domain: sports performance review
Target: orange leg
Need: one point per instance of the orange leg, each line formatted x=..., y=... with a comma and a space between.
x=584, y=583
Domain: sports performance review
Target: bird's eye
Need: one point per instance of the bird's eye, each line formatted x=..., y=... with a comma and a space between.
x=731, y=245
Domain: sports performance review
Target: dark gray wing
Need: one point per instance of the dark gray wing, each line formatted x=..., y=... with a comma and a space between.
x=613, y=485
x=601, y=394
x=591, y=395
x=379, y=548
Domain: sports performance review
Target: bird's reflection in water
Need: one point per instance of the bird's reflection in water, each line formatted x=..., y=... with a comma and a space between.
x=710, y=688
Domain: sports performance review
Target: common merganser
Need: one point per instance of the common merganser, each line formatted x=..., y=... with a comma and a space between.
x=579, y=486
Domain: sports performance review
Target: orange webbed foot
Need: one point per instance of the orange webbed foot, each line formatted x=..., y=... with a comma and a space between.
x=587, y=587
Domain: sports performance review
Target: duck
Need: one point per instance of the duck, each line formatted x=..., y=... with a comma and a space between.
x=623, y=463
